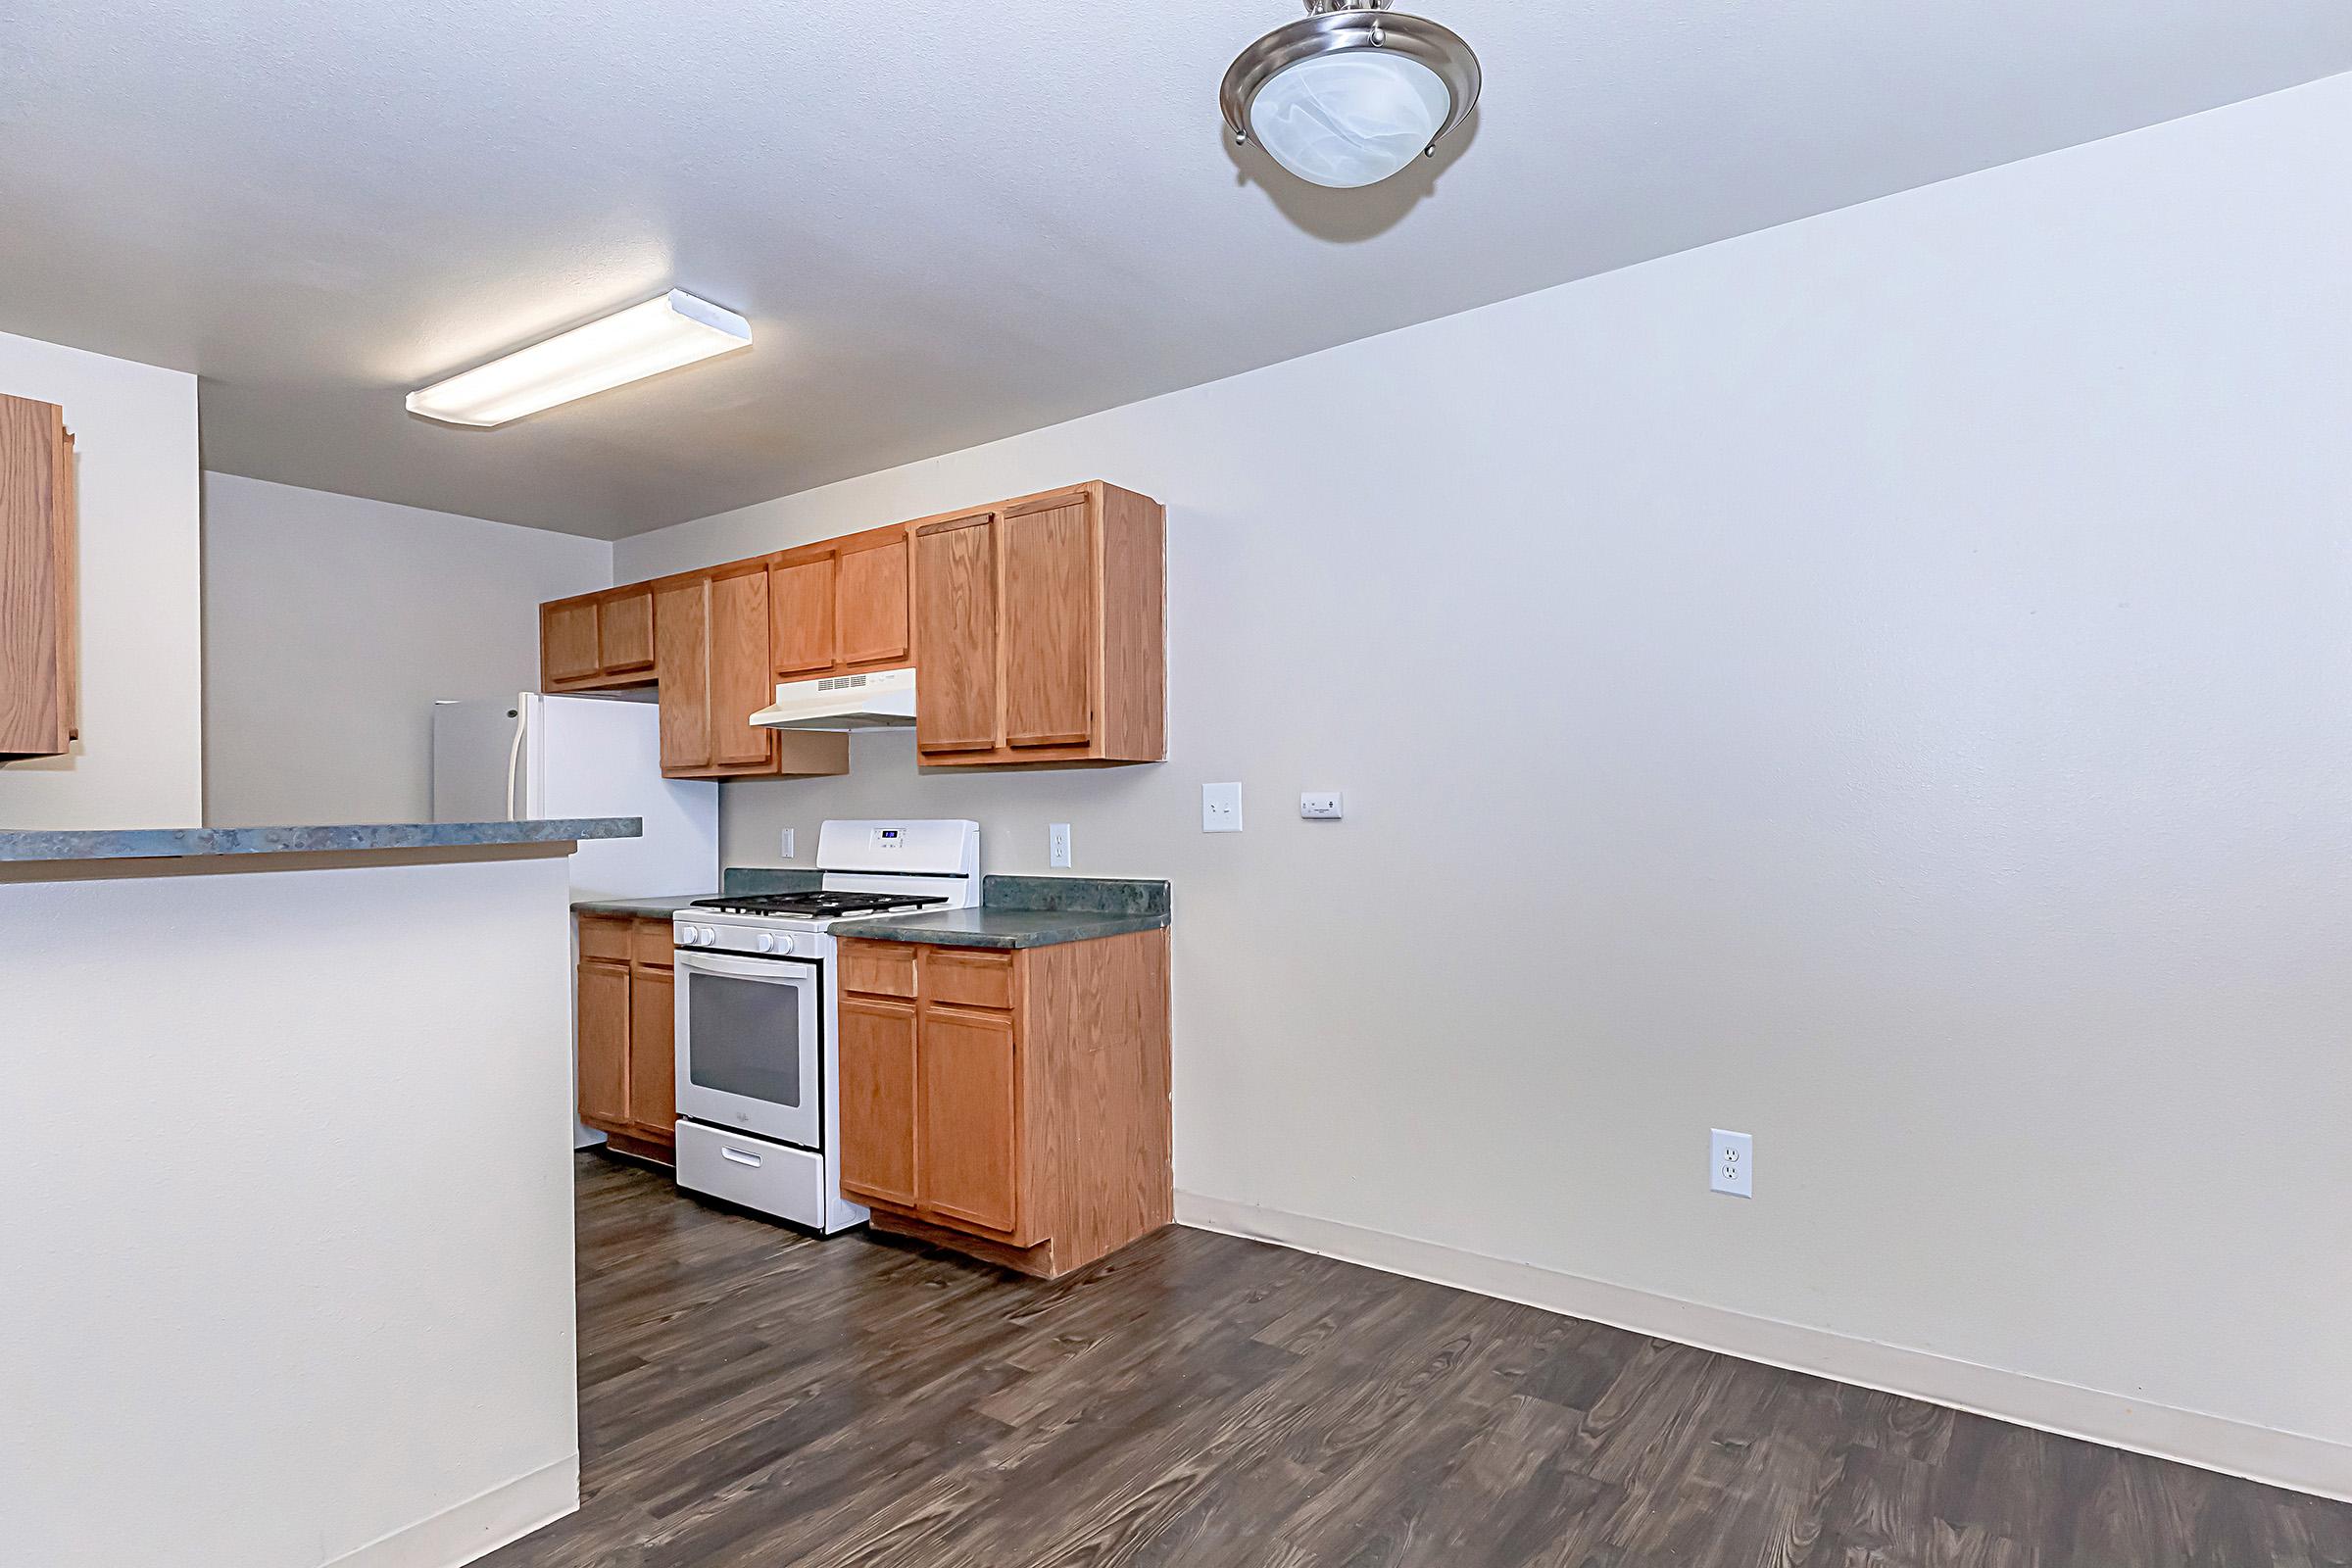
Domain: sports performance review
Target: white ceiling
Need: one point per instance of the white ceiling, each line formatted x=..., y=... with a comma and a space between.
x=946, y=223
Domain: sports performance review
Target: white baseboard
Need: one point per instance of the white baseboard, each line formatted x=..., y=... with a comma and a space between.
x=2291, y=1459
x=479, y=1525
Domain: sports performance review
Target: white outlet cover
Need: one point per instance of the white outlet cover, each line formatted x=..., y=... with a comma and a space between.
x=785, y=848
x=1732, y=1163
x=1322, y=805
x=1058, y=844
x=1220, y=807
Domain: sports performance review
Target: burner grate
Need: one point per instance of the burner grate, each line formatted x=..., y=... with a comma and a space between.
x=821, y=905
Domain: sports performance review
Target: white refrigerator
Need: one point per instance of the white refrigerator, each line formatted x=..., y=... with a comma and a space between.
x=532, y=757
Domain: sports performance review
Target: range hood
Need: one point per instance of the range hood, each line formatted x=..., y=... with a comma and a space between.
x=881, y=701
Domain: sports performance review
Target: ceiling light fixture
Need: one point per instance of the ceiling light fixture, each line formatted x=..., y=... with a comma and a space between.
x=1347, y=96
x=628, y=345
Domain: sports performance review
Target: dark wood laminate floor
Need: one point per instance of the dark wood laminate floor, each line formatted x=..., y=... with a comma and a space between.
x=751, y=1396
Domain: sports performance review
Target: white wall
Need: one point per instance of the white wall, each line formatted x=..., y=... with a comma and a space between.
x=331, y=623
x=139, y=761
x=1880, y=684
x=289, y=1223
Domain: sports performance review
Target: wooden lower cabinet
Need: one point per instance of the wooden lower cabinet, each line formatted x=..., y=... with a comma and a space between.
x=626, y=1033
x=1011, y=1104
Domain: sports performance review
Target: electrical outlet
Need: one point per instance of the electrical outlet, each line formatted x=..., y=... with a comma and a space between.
x=1732, y=1163
x=1058, y=844
x=1322, y=808
x=785, y=849
x=1220, y=807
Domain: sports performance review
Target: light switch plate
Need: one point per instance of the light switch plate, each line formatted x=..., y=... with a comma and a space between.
x=1323, y=807
x=1732, y=1163
x=1220, y=807
x=785, y=849
x=1058, y=844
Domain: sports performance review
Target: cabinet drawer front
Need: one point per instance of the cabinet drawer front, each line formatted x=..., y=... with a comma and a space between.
x=654, y=942
x=969, y=979
x=878, y=968
x=752, y=1171
x=603, y=935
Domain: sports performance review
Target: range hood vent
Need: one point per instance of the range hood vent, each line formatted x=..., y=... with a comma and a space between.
x=881, y=701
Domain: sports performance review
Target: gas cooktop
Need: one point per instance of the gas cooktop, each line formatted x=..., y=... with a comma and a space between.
x=820, y=906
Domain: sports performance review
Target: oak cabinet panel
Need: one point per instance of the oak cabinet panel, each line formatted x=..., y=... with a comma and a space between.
x=682, y=668
x=1040, y=630
x=971, y=1118
x=40, y=561
x=877, y=1110
x=957, y=707
x=740, y=684
x=873, y=613
x=625, y=1029
x=653, y=1052
x=624, y=633
x=567, y=642
x=604, y=1042
x=799, y=596
x=1050, y=606
x=1017, y=1105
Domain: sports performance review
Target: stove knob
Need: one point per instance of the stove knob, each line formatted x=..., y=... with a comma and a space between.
x=705, y=936
x=784, y=943
x=767, y=942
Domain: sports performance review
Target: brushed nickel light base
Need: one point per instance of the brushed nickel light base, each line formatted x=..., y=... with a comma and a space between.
x=1333, y=27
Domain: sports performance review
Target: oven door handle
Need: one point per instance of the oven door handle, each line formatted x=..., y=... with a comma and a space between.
x=778, y=971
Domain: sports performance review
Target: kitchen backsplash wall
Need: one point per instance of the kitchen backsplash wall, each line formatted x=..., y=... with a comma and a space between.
x=1878, y=685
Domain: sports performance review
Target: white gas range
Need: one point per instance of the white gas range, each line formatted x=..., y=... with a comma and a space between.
x=755, y=1028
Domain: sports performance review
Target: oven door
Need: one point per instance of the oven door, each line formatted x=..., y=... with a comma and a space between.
x=747, y=1047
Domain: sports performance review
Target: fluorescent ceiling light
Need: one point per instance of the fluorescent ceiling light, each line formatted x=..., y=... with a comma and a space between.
x=628, y=345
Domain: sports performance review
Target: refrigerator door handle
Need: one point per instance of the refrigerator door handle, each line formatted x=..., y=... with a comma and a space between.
x=523, y=724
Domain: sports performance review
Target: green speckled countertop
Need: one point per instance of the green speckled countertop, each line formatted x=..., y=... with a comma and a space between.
x=1032, y=911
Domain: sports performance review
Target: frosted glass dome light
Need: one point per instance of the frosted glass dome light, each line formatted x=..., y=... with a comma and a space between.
x=1351, y=119
x=1350, y=94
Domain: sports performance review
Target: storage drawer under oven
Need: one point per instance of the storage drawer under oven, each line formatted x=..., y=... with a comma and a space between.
x=767, y=1177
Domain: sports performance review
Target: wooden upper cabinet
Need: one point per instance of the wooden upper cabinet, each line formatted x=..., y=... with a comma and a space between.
x=740, y=684
x=872, y=614
x=39, y=559
x=1041, y=626
x=710, y=662
x=958, y=706
x=682, y=668
x=1050, y=610
x=842, y=605
x=800, y=597
x=597, y=641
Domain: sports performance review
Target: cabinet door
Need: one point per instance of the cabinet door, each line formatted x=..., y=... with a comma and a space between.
x=36, y=580
x=653, y=1063
x=1050, y=606
x=604, y=1041
x=955, y=626
x=872, y=593
x=970, y=1120
x=683, y=664
x=568, y=649
x=624, y=633
x=877, y=1055
x=799, y=596
x=742, y=681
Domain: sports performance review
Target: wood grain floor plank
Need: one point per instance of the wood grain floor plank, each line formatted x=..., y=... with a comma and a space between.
x=753, y=1397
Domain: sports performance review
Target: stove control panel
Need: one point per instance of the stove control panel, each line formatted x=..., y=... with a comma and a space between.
x=732, y=938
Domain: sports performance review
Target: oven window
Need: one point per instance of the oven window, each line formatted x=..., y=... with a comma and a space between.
x=744, y=1037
